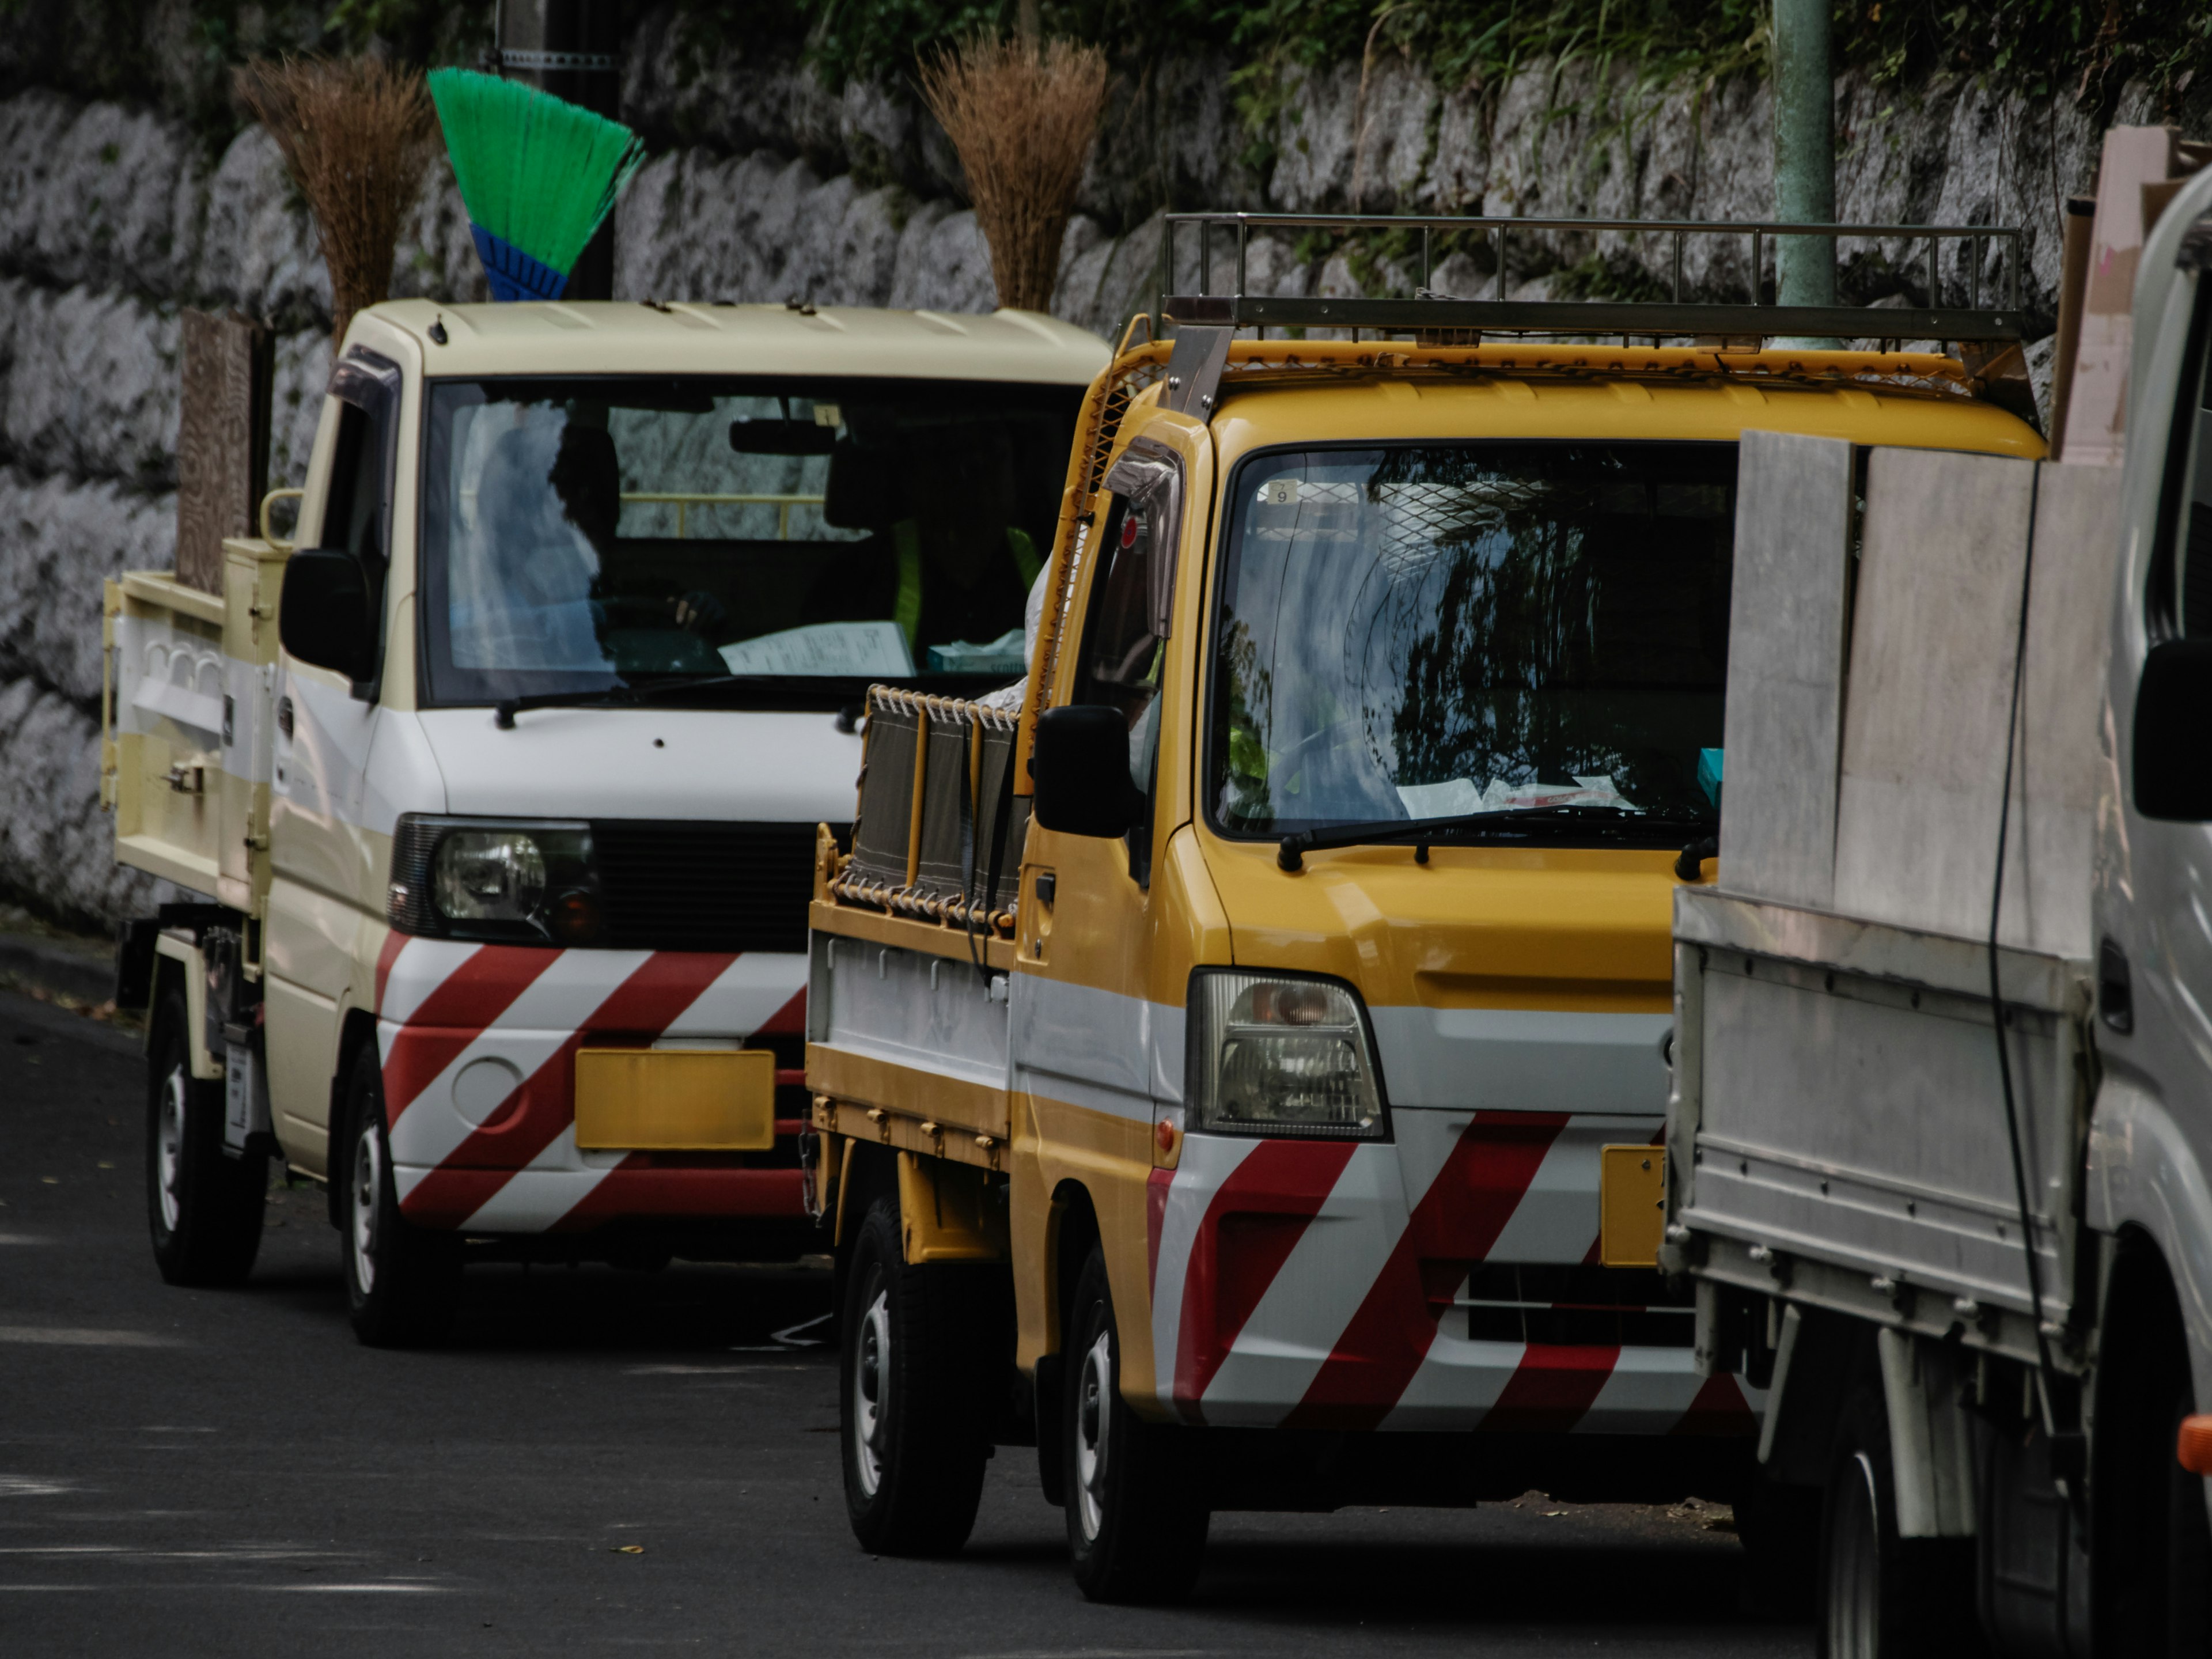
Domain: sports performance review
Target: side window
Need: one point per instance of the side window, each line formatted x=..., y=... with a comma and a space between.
x=353, y=511
x=2192, y=534
x=1124, y=636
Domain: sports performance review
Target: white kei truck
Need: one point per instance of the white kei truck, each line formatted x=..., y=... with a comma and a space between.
x=497, y=793
x=1939, y=1139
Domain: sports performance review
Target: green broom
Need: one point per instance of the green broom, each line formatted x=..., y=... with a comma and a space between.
x=538, y=175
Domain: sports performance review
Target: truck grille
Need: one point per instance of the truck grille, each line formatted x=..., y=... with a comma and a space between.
x=1577, y=1306
x=683, y=884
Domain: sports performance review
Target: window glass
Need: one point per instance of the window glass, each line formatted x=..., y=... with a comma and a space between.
x=789, y=540
x=2193, y=570
x=1498, y=631
x=1122, y=656
x=352, y=510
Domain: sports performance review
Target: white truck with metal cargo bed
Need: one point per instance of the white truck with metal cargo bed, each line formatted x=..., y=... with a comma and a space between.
x=1939, y=1143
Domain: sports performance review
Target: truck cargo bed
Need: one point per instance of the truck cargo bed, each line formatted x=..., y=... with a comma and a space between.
x=1838, y=1125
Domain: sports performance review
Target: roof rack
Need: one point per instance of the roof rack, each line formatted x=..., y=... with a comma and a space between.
x=1673, y=317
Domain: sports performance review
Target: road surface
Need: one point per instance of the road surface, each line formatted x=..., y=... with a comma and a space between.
x=610, y=1462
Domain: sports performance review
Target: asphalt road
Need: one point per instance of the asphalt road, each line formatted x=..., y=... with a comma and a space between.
x=608, y=1461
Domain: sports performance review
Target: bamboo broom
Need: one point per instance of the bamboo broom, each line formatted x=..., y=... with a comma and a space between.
x=1022, y=115
x=355, y=135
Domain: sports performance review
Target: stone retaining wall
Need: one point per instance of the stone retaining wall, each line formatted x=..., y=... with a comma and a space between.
x=764, y=185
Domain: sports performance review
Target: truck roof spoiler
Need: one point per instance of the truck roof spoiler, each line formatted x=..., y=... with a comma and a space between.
x=1992, y=311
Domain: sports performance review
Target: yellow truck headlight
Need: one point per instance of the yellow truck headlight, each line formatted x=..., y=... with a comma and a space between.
x=1281, y=1054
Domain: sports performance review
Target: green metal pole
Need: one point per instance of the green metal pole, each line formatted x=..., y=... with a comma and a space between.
x=1804, y=151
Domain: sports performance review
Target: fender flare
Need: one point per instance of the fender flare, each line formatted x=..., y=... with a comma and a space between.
x=183, y=950
x=2143, y=1173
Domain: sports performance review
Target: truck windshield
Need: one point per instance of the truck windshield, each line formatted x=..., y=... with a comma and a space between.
x=783, y=540
x=1433, y=631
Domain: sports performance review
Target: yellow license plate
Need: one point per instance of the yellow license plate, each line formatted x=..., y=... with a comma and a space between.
x=1632, y=1205
x=675, y=1100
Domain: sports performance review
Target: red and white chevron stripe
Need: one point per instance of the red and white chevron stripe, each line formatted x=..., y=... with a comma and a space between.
x=478, y=1046
x=1310, y=1284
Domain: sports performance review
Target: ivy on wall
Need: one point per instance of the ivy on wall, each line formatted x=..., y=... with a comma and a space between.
x=177, y=53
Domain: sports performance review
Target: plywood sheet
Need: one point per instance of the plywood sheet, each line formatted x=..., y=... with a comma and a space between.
x=222, y=441
x=1786, y=629
x=1934, y=640
x=2097, y=396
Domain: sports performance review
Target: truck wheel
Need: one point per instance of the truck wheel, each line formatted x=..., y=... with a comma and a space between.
x=402, y=1282
x=204, y=1206
x=1883, y=1596
x=916, y=1361
x=1136, y=1513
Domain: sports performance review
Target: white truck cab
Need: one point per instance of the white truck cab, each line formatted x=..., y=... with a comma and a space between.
x=500, y=790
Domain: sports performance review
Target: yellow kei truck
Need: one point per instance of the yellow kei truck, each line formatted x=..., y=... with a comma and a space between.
x=1214, y=1062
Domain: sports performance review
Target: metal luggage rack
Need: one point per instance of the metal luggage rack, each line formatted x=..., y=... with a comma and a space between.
x=1432, y=313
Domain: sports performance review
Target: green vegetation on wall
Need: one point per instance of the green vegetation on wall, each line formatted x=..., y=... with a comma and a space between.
x=177, y=53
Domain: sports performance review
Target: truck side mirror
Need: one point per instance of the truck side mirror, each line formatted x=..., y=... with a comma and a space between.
x=2173, y=732
x=324, y=618
x=1081, y=766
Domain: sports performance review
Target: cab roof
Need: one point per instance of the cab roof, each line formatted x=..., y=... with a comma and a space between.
x=651, y=337
x=1297, y=393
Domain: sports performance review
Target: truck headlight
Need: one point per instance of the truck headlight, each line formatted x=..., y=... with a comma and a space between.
x=1277, y=1055
x=526, y=882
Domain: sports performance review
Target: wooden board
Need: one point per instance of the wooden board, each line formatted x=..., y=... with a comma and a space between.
x=2097, y=388
x=223, y=441
x=1934, y=636
x=1786, y=673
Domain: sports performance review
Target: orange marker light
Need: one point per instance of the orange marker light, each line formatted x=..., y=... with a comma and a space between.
x=1166, y=1137
x=2193, y=1446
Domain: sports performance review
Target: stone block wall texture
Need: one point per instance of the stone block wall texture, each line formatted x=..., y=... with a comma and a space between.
x=765, y=186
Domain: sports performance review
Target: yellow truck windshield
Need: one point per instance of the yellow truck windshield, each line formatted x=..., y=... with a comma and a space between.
x=783, y=539
x=1532, y=636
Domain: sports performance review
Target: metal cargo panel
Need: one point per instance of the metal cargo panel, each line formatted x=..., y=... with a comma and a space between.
x=1838, y=1101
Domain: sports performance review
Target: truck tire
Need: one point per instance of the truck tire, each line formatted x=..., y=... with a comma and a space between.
x=403, y=1282
x=203, y=1207
x=2155, y=1545
x=915, y=1365
x=1883, y=1596
x=1136, y=1511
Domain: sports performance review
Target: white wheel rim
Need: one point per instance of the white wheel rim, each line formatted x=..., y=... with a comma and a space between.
x=169, y=1148
x=871, y=1372
x=1855, y=1567
x=1094, y=1423
x=367, y=1188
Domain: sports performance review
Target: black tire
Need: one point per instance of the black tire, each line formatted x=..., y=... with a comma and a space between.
x=917, y=1354
x=403, y=1282
x=1136, y=1509
x=2155, y=1543
x=203, y=1207
x=1883, y=1596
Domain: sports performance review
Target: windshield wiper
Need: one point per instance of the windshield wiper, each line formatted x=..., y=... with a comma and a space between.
x=505, y=710
x=1291, y=855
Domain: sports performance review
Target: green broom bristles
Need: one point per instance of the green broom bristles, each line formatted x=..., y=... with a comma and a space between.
x=534, y=170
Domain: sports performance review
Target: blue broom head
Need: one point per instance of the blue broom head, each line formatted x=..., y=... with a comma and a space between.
x=538, y=175
x=512, y=274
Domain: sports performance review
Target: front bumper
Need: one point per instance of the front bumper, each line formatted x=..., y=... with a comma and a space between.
x=1304, y=1284
x=478, y=1042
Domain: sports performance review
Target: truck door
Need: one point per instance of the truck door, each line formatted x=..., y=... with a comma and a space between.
x=1105, y=946
x=325, y=878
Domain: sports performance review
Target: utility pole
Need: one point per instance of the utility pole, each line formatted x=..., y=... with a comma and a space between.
x=1804, y=152
x=570, y=48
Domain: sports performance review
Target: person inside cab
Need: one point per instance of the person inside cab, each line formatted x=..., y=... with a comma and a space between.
x=945, y=559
